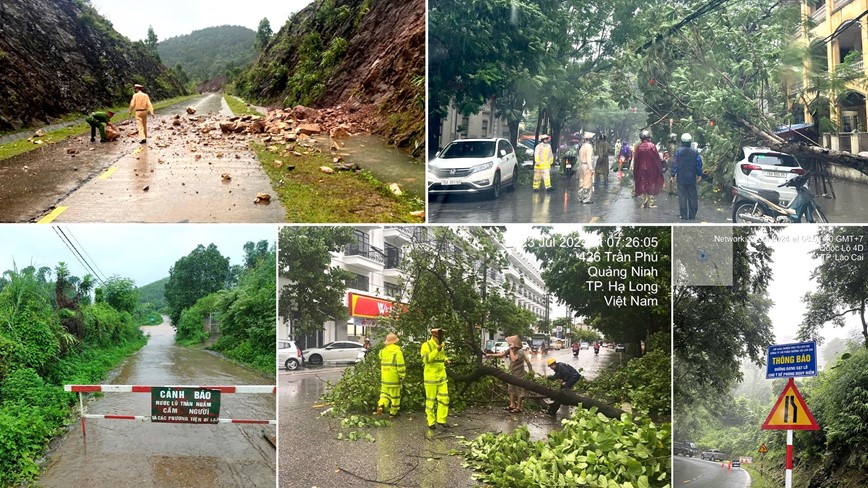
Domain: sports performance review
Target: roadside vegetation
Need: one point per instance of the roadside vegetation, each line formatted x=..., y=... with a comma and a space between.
x=239, y=106
x=55, y=329
x=203, y=289
x=309, y=195
x=78, y=128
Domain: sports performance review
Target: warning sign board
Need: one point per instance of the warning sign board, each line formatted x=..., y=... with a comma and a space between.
x=763, y=449
x=791, y=360
x=185, y=405
x=790, y=412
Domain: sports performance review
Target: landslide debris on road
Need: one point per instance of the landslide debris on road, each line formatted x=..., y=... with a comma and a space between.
x=60, y=56
x=362, y=59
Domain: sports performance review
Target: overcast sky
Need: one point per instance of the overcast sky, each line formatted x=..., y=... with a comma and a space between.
x=792, y=269
x=143, y=253
x=171, y=18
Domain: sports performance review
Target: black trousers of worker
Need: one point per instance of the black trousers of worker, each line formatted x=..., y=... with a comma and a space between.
x=555, y=406
x=688, y=201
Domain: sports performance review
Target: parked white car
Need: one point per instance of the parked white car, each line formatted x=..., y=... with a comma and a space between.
x=765, y=169
x=333, y=352
x=288, y=355
x=500, y=346
x=473, y=166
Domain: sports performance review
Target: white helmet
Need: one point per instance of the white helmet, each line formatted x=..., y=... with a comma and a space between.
x=686, y=138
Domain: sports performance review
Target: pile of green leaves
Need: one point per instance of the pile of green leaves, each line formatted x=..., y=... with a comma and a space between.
x=590, y=450
x=645, y=382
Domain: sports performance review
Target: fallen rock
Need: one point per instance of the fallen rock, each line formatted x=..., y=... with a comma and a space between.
x=277, y=163
x=71, y=150
x=226, y=177
x=326, y=170
x=347, y=167
x=300, y=112
x=191, y=110
x=308, y=129
x=396, y=189
x=39, y=133
x=176, y=122
x=146, y=188
x=418, y=213
x=340, y=131
x=262, y=198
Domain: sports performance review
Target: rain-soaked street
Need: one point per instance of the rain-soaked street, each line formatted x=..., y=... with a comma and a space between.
x=183, y=174
x=406, y=453
x=145, y=454
x=613, y=205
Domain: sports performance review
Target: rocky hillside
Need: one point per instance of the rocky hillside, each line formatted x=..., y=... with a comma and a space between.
x=364, y=57
x=60, y=56
x=207, y=53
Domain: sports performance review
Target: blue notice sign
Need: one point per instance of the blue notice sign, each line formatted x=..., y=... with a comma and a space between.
x=791, y=360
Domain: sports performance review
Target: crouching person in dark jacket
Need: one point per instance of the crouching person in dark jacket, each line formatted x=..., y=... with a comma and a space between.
x=568, y=377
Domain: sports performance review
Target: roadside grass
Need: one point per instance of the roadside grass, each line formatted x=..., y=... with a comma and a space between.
x=239, y=106
x=757, y=481
x=312, y=196
x=22, y=146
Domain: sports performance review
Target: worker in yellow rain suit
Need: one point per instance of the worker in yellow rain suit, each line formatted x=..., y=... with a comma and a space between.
x=392, y=372
x=436, y=391
x=542, y=163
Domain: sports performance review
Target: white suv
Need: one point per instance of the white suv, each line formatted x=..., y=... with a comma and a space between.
x=765, y=169
x=472, y=166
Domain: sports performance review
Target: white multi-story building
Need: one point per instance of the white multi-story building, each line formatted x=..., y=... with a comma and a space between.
x=479, y=125
x=375, y=257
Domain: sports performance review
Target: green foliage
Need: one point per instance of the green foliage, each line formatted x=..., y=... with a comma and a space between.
x=105, y=325
x=201, y=272
x=191, y=326
x=263, y=33
x=590, y=450
x=121, y=294
x=645, y=382
x=210, y=52
x=839, y=402
x=247, y=312
x=315, y=292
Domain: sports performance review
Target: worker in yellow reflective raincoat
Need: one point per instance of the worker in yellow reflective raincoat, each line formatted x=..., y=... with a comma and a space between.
x=392, y=372
x=542, y=163
x=434, y=375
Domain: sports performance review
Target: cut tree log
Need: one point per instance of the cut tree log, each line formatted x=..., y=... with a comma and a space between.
x=565, y=397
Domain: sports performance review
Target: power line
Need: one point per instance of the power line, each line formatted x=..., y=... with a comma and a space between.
x=76, y=253
x=68, y=231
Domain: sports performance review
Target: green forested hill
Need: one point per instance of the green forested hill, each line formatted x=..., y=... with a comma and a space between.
x=207, y=53
x=154, y=294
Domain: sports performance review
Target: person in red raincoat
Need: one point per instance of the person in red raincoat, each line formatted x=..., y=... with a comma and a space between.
x=647, y=170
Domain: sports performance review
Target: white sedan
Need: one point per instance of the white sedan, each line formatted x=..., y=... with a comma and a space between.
x=335, y=352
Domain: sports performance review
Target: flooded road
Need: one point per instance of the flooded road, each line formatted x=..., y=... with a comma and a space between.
x=176, y=177
x=144, y=454
x=388, y=164
x=406, y=453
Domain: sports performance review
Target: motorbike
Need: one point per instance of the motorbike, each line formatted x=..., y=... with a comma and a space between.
x=596, y=350
x=569, y=162
x=575, y=352
x=764, y=207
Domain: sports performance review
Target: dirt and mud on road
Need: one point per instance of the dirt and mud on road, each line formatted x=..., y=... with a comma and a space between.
x=145, y=454
x=189, y=171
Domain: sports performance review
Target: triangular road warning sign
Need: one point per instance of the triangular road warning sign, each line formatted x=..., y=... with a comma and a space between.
x=790, y=412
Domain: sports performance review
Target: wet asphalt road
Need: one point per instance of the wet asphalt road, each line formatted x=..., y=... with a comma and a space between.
x=614, y=205
x=145, y=454
x=176, y=177
x=697, y=473
x=407, y=453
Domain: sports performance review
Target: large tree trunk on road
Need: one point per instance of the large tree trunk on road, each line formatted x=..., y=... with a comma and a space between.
x=566, y=397
x=823, y=154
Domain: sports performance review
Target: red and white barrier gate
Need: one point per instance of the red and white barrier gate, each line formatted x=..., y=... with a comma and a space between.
x=174, y=397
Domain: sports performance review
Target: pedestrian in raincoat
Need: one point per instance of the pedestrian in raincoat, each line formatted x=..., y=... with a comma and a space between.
x=568, y=377
x=542, y=163
x=671, y=147
x=141, y=105
x=517, y=359
x=602, y=167
x=647, y=170
x=624, y=157
x=434, y=376
x=392, y=373
x=98, y=121
x=586, y=162
x=687, y=171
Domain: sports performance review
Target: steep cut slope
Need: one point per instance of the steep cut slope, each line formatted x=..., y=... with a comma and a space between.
x=61, y=56
x=207, y=53
x=368, y=56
